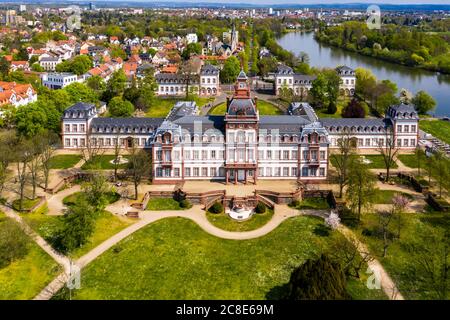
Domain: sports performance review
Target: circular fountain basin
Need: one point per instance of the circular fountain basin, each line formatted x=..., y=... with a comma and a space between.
x=120, y=160
x=239, y=213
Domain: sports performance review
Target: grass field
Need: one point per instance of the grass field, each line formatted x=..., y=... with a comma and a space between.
x=175, y=259
x=162, y=106
x=106, y=225
x=438, y=128
x=398, y=261
x=377, y=161
x=64, y=161
x=102, y=162
x=313, y=203
x=26, y=203
x=73, y=199
x=159, y=204
x=385, y=196
x=26, y=277
x=224, y=222
x=410, y=160
x=264, y=107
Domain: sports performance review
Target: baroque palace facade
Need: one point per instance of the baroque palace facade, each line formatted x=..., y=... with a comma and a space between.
x=241, y=146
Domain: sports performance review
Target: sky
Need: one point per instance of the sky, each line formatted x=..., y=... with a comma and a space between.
x=304, y=1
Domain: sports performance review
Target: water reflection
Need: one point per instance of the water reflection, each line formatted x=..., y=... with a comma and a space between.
x=412, y=79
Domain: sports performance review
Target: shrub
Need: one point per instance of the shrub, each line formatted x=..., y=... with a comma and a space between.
x=185, y=204
x=13, y=242
x=260, y=208
x=216, y=208
x=294, y=203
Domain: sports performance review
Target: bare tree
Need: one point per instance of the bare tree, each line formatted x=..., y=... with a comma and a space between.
x=117, y=150
x=419, y=154
x=8, y=141
x=361, y=188
x=384, y=219
x=92, y=149
x=389, y=151
x=441, y=170
x=189, y=73
x=139, y=166
x=343, y=160
x=22, y=157
x=47, y=144
x=349, y=252
x=34, y=167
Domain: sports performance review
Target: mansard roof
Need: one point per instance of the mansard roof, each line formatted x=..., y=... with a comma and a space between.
x=239, y=106
x=80, y=110
x=203, y=123
x=284, y=70
x=169, y=77
x=303, y=78
x=242, y=75
x=146, y=124
x=209, y=70
x=362, y=125
x=344, y=70
x=182, y=109
x=302, y=109
x=402, y=111
x=285, y=124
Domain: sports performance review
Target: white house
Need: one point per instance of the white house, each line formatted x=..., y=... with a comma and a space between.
x=59, y=80
x=191, y=38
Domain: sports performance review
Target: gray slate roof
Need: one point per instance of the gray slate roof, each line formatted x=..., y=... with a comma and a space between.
x=209, y=69
x=190, y=123
x=240, y=106
x=286, y=124
x=148, y=124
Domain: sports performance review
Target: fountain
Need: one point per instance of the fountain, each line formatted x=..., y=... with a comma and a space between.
x=119, y=160
x=239, y=212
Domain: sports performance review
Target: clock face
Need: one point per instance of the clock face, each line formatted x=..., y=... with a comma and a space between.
x=241, y=85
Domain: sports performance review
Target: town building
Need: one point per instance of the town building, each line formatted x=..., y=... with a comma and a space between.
x=49, y=63
x=15, y=94
x=242, y=146
x=300, y=84
x=59, y=80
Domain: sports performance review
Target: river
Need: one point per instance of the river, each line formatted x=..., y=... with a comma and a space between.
x=409, y=78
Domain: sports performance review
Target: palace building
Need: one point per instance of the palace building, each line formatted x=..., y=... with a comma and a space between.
x=242, y=146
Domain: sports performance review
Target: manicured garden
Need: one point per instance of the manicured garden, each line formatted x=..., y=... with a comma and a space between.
x=224, y=222
x=375, y=161
x=153, y=262
x=163, y=204
x=264, y=107
x=410, y=160
x=438, y=128
x=64, y=161
x=162, y=106
x=103, y=162
x=385, y=196
x=25, y=277
x=27, y=204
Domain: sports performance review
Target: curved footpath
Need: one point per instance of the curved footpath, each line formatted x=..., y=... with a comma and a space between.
x=196, y=214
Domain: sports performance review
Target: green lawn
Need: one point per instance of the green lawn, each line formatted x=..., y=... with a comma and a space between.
x=75, y=197
x=438, y=128
x=103, y=162
x=24, y=278
x=106, y=226
x=224, y=222
x=175, y=259
x=64, y=161
x=162, y=106
x=264, y=107
x=385, y=196
x=313, y=203
x=26, y=203
x=398, y=261
x=410, y=160
x=377, y=162
x=160, y=204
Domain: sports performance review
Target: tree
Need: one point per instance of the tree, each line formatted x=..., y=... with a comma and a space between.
x=191, y=49
x=8, y=141
x=30, y=120
x=97, y=84
x=384, y=219
x=420, y=156
x=34, y=164
x=117, y=149
x=318, y=91
x=80, y=92
x=4, y=68
x=321, y=279
x=388, y=151
x=37, y=67
x=120, y=108
x=440, y=167
x=423, y=102
x=188, y=72
x=147, y=88
x=14, y=243
x=399, y=204
x=332, y=88
x=95, y=191
x=116, y=84
x=47, y=144
x=78, y=65
x=78, y=226
x=343, y=159
x=428, y=261
x=361, y=188
x=350, y=253
x=405, y=96
x=353, y=109
x=139, y=166
x=230, y=70
x=266, y=65
x=365, y=83
x=22, y=157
